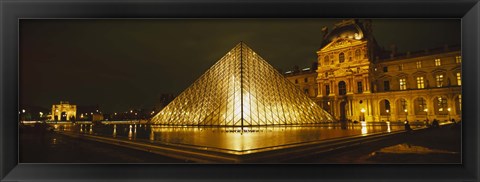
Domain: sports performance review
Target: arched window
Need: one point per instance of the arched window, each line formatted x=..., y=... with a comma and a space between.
x=420, y=106
x=440, y=105
x=326, y=60
x=342, y=88
x=341, y=57
x=357, y=54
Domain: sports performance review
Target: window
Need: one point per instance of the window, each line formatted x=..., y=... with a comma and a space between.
x=386, y=85
x=326, y=60
x=305, y=91
x=327, y=89
x=296, y=81
x=442, y=104
x=439, y=79
x=458, y=59
x=419, y=64
x=400, y=67
x=438, y=62
x=305, y=80
x=459, y=78
x=342, y=88
x=357, y=54
x=420, y=83
x=403, y=84
x=341, y=57
x=460, y=102
x=359, y=87
x=403, y=106
x=385, y=69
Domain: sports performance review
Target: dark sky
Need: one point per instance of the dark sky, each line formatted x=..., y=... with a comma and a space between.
x=123, y=64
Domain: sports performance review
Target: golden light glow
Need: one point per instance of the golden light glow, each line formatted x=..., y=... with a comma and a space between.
x=241, y=89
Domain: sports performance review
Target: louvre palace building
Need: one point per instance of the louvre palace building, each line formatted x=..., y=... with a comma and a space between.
x=355, y=79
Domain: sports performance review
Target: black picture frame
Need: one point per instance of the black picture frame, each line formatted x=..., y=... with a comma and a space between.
x=11, y=11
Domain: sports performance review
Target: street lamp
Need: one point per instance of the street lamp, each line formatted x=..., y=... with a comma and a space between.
x=363, y=113
x=388, y=115
x=406, y=114
x=449, y=118
x=426, y=113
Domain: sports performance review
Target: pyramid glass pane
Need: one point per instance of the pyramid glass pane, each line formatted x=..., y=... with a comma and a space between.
x=241, y=89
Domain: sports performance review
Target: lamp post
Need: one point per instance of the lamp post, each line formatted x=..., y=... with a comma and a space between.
x=406, y=114
x=388, y=115
x=363, y=113
x=449, y=118
x=426, y=112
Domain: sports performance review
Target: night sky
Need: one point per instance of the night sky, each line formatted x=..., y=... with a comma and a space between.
x=125, y=64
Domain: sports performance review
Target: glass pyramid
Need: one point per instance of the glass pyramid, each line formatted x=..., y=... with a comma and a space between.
x=241, y=89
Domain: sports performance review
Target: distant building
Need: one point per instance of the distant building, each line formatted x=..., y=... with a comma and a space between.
x=358, y=80
x=64, y=112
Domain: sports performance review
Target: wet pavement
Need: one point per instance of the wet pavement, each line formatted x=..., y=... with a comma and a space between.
x=233, y=138
x=50, y=147
x=437, y=145
x=434, y=145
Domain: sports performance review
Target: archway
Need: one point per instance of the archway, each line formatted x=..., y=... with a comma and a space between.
x=420, y=106
x=385, y=110
x=440, y=105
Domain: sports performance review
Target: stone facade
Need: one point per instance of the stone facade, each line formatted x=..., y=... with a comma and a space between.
x=64, y=112
x=357, y=80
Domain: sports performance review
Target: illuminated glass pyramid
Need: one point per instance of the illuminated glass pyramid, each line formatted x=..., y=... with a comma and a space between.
x=241, y=89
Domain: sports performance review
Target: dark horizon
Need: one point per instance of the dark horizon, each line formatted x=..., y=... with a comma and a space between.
x=125, y=64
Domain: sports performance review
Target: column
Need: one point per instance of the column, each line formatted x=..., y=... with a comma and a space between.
x=393, y=111
x=320, y=89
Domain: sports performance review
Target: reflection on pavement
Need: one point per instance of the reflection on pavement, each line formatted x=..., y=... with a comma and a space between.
x=405, y=148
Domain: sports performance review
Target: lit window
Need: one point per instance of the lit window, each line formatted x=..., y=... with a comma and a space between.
x=359, y=87
x=400, y=67
x=341, y=57
x=403, y=84
x=385, y=69
x=420, y=83
x=442, y=104
x=386, y=85
x=438, y=62
x=419, y=64
x=460, y=102
x=439, y=79
x=458, y=59
x=459, y=78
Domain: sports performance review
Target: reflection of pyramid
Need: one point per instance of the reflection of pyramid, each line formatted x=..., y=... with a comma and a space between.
x=241, y=89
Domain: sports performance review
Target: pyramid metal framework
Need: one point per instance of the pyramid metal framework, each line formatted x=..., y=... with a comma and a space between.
x=241, y=89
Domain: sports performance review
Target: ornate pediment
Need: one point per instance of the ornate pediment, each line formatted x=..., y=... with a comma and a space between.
x=341, y=43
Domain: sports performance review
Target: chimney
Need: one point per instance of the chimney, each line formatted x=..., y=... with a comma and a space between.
x=393, y=48
x=408, y=54
x=445, y=47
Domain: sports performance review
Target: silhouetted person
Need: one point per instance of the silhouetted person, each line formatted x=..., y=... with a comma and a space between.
x=407, y=126
x=435, y=123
